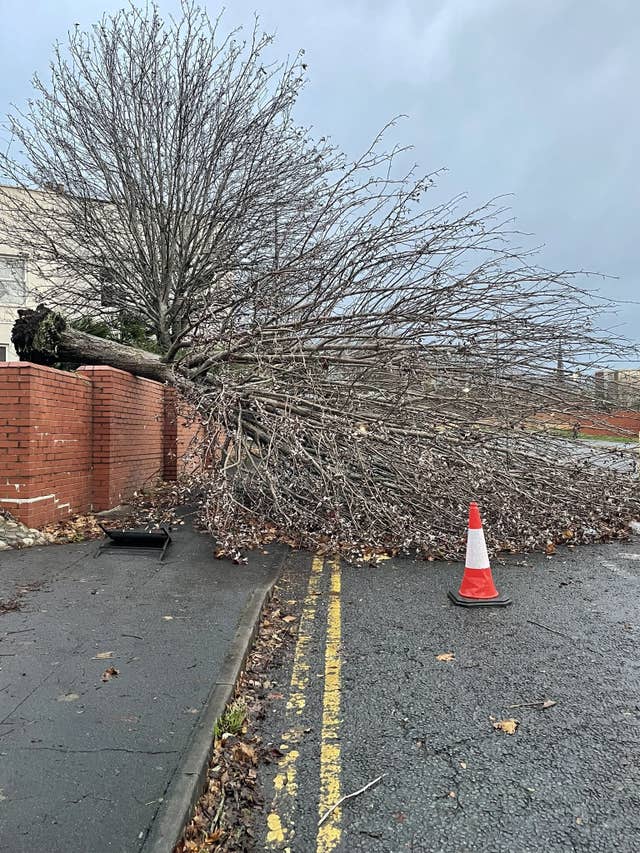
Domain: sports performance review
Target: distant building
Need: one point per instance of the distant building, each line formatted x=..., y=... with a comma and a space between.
x=620, y=388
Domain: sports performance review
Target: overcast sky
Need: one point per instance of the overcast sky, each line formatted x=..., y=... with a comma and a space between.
x=538, y=98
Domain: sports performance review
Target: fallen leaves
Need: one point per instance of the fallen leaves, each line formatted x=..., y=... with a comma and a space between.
x=109, y=673
x=446, y=656
x=8, y=605
x=77, y=529
x=144, y=510
x=246, y=752
x=374, y=557
x=225, y=815
x=509, y=726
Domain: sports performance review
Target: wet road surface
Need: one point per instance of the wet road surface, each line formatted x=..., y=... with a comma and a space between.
x=363, y=694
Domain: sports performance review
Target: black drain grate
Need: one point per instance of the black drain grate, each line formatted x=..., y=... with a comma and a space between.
x=135, y=540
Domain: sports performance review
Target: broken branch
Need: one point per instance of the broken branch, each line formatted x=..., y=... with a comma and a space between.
x=349, y=797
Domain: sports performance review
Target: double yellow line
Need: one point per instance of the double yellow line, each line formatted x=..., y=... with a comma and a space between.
x=280, y=825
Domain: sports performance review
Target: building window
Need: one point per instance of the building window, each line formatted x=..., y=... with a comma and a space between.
x=4, y=349
x=13, y=280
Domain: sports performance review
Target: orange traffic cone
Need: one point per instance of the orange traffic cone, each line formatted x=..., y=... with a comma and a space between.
x=477, y=588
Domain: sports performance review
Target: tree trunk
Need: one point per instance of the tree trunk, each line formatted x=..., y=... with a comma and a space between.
x=43, y=336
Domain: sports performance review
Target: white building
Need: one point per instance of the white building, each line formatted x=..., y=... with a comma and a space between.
x=13, y=295
x=20, y=286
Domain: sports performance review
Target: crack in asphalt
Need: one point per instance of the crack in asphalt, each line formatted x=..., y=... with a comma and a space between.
x=63, y=749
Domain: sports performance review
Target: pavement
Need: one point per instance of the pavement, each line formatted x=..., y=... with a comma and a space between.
x=363, y=695
x=88, y=765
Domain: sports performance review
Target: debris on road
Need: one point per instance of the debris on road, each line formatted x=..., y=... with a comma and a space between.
x=15, y=603
x=551, y=630
x=350, y=797
x=446, y=656
x=110, y=673
x=509, y=726
x=541, y=704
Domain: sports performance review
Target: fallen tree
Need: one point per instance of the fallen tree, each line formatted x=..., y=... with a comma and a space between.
x=364, y=363
x=329, y=449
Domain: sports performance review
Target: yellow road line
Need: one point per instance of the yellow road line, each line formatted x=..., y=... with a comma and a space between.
x=330, y=833
x=280, y=826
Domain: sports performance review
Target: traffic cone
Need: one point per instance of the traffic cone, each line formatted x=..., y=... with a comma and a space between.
x=477, y=588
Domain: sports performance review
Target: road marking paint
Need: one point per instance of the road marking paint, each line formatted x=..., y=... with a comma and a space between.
x=330, y=833
x=280, y=826
x=276, y=832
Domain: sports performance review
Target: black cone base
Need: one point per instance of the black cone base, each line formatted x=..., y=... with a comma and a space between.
x=463, y=601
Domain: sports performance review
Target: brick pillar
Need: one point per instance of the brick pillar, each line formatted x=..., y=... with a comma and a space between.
x=45, y=442
x=102, y=382
x=128, y=429
x=170, y=435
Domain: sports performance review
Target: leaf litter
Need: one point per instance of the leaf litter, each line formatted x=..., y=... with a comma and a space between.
x=225, y=815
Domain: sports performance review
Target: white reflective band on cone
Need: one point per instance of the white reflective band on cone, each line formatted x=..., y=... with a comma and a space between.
x=477, y=557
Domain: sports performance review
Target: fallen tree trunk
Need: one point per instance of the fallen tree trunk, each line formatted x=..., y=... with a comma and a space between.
x=44, y=337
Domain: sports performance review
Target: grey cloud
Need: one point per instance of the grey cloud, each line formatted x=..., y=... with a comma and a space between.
x=534, y=99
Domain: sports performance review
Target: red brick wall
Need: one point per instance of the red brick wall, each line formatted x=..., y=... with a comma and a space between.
x=45, y=442
x=72, y=442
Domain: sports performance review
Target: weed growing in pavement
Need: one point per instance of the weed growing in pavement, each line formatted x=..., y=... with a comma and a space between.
x=232, y=721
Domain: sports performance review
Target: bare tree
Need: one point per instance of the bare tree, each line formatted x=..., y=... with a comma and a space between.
x=171, y=165
x=364, y=364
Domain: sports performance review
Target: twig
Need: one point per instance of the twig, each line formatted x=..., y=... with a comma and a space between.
x=545, y=703
x=552, y=630
x=349, y=797
x=218, y=814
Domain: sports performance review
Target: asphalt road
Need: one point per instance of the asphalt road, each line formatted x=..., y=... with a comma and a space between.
x=363, y=695
x=85, y=764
